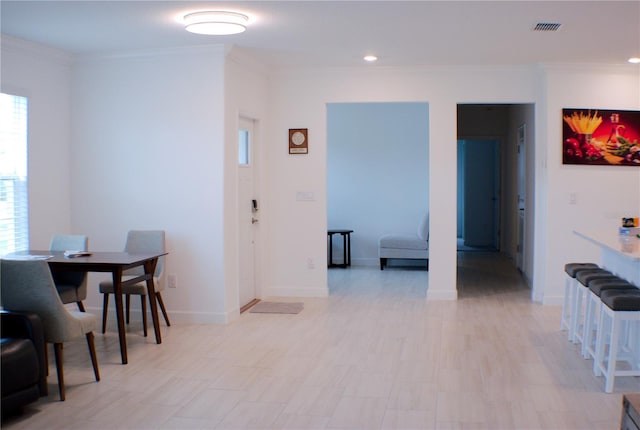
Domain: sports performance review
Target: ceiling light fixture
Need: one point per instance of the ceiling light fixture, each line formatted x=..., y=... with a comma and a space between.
x=370, y=58
x=634, y=60
x=215, y=22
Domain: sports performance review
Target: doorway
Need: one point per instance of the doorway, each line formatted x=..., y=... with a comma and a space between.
x=248, y=211
x=377, y=174
x=496, y=177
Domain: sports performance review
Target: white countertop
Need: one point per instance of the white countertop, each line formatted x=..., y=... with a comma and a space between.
x=625, y=246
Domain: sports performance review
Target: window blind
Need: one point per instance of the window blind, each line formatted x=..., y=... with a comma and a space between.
x=14, y=201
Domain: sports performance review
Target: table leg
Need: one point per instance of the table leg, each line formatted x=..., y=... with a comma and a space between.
x=344, y=250
x=149, y=269
x=348, y=249
x=330, y=249
x=117, y=293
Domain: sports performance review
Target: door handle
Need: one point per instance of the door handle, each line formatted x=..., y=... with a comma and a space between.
x=254, y=220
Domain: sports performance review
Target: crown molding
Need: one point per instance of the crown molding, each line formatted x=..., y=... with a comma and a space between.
x=37, y=50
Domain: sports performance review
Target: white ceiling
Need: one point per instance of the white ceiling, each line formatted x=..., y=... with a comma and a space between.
x=340, y=33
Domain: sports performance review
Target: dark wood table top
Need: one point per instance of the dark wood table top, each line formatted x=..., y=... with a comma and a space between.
x=96, y=262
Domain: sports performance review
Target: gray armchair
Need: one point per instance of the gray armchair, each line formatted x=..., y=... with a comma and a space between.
x=27, y=285
x=72, y=286
x=139, y=241
x=413, y=247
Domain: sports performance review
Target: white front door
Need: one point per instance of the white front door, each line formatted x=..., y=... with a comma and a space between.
x=248, y=212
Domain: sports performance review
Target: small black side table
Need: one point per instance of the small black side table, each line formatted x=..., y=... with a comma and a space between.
x=346, y=247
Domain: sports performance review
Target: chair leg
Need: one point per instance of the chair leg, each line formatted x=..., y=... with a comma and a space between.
x=383, y=262
x=105, y=304
x=92, y=353
x=128, y=306
x=143, y=306
x=57, y=350
x=427, y=264
x=80, y=306
x=163, y=309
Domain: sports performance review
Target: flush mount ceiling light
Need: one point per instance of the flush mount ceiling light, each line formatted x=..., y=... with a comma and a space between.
x=634, y=60
x=215, y=22
x=370, y=58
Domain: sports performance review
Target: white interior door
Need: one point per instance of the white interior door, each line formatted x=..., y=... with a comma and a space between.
x=481, y=193
x=248, y=211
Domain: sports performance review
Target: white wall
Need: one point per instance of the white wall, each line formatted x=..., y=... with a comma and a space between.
x=377, y=173
x=604, y=193
x=42, y=75
x=299, y=99
x=148, y=153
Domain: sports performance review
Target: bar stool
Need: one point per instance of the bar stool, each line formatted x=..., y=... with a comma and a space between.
x=596, y=287
x=571, y=269
x=620, y=309
x=583, y=277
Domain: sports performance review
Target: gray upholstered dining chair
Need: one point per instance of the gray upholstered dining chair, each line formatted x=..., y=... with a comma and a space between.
x=27, y=285
x=139, y=241
x=72, y=286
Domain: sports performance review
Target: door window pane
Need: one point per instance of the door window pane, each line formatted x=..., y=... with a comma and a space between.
x=243, y=147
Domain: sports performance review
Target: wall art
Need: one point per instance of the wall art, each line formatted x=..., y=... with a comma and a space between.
x=601, y=137
x=298, y=141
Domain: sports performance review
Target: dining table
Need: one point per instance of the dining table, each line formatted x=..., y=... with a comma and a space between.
x=115, y=263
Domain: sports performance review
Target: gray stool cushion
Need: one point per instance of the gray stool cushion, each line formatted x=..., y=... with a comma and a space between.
x=586, y=276
x=572, y=269
x=600, y=285
x=621, y=300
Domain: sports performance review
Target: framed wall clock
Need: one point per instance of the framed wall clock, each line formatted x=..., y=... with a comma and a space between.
x=298, y=141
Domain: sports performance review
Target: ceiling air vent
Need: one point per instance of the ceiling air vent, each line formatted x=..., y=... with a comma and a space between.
x=547, y=26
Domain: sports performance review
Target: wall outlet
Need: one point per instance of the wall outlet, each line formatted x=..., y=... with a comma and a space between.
x=172, y=281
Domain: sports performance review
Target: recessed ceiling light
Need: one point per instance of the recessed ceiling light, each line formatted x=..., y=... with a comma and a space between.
x=370, y=58
x=216, y=22
x=634, y=60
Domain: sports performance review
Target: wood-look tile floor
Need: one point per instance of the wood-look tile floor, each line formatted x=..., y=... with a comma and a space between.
x=374, y=355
